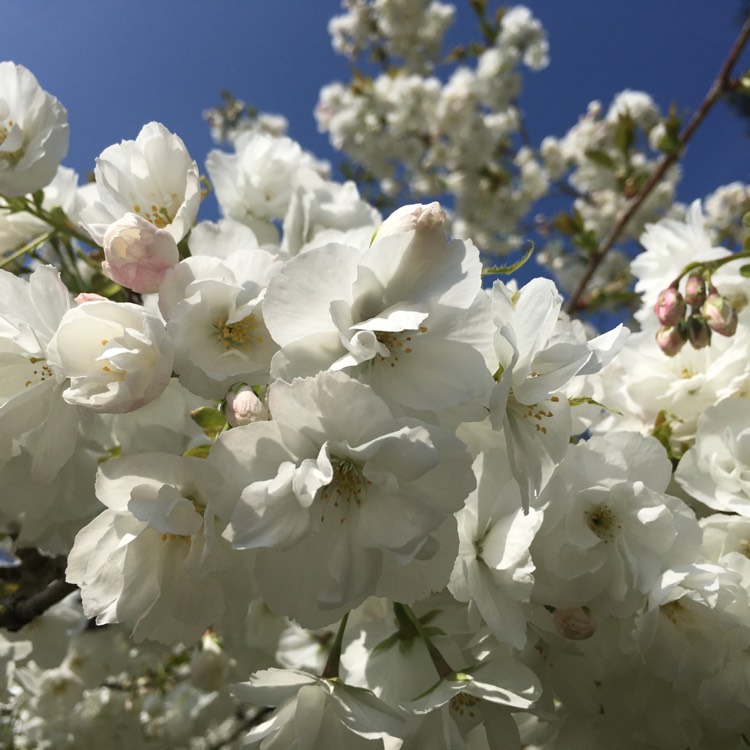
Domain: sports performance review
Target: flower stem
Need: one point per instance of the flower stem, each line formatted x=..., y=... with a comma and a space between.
x=438, y=660
x=710, y=265
x=331, y=668
x=27, y=248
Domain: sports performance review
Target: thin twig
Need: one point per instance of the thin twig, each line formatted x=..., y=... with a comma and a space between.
x=720, y=85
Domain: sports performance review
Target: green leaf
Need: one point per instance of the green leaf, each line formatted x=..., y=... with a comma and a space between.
x=210, y=420
x=624, y=133
x=199, y=451
x=602, y=158
x=568, y=223
x=592, y=402
x=745, y=270
x=510, y=268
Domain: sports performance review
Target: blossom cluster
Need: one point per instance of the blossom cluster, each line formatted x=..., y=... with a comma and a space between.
x=413, y=131
x=315, y=483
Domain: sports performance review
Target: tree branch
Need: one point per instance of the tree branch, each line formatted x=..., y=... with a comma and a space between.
x=720, y=85
x=15, y=613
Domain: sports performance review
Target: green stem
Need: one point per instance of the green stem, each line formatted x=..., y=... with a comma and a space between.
x=438, y=660
x=331, y=669
x=28, y=248
x=710, y=265
x=64, y=227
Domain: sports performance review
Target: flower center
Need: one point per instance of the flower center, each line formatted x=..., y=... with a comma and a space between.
x=40, y=371
x=463, y=704
x=603, y=522
x=239, y=335
x=533, y=413
x=112, y=371
x=159, y=216
x=397, y=343
x=673, y=611
x=10, y=156
x=346, y=487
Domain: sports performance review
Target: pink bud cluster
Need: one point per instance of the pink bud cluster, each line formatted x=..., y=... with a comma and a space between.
x=692, y=317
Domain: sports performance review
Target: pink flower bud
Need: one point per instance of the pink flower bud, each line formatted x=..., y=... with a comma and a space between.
x=244, y=407
x=720, y=315
x=670, y=306
x=699, y=334
x=575, y=623
x=670, y=340
x=695, y=290
x=138, y=254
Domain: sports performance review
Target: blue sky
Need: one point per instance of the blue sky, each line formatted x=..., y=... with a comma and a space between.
x=116, y=66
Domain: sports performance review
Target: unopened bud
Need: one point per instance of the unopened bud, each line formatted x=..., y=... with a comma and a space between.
x=670, y=306
x=244, y=407
x=417, y=216
x=575, y=623
x=670, y=340
x=138, y=254
x=720, y=315
x=209, y=666
x=695, y=290
x=699, y=334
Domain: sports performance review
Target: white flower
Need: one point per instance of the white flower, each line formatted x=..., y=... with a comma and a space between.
x=155, y=558
x=342, y=499
x=152, y=176
x=221, y=239
x=31, y=406
x=255, y=183
x=696, y=635
x=316, y=713
x=117, y=355
x=406, y=316
x=33, y=132
x=539, y=353
x=458, y=704
x=645, y=386
x=214, y=314
x=493, y=571
x=320, y=207
x=716, y=470
x=609, y=530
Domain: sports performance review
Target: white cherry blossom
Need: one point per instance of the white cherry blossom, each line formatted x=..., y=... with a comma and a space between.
x=341, y=499
x=33, y=132
x=153, y=177
x=116, y=355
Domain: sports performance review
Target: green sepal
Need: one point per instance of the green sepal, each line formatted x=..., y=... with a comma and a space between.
x=111, y=453
x=210, y=420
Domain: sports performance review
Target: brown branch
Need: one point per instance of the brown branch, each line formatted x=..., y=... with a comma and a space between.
x=15, y=613
x=720, y=85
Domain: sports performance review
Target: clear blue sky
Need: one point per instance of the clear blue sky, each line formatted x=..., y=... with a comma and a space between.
x=117, y=65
